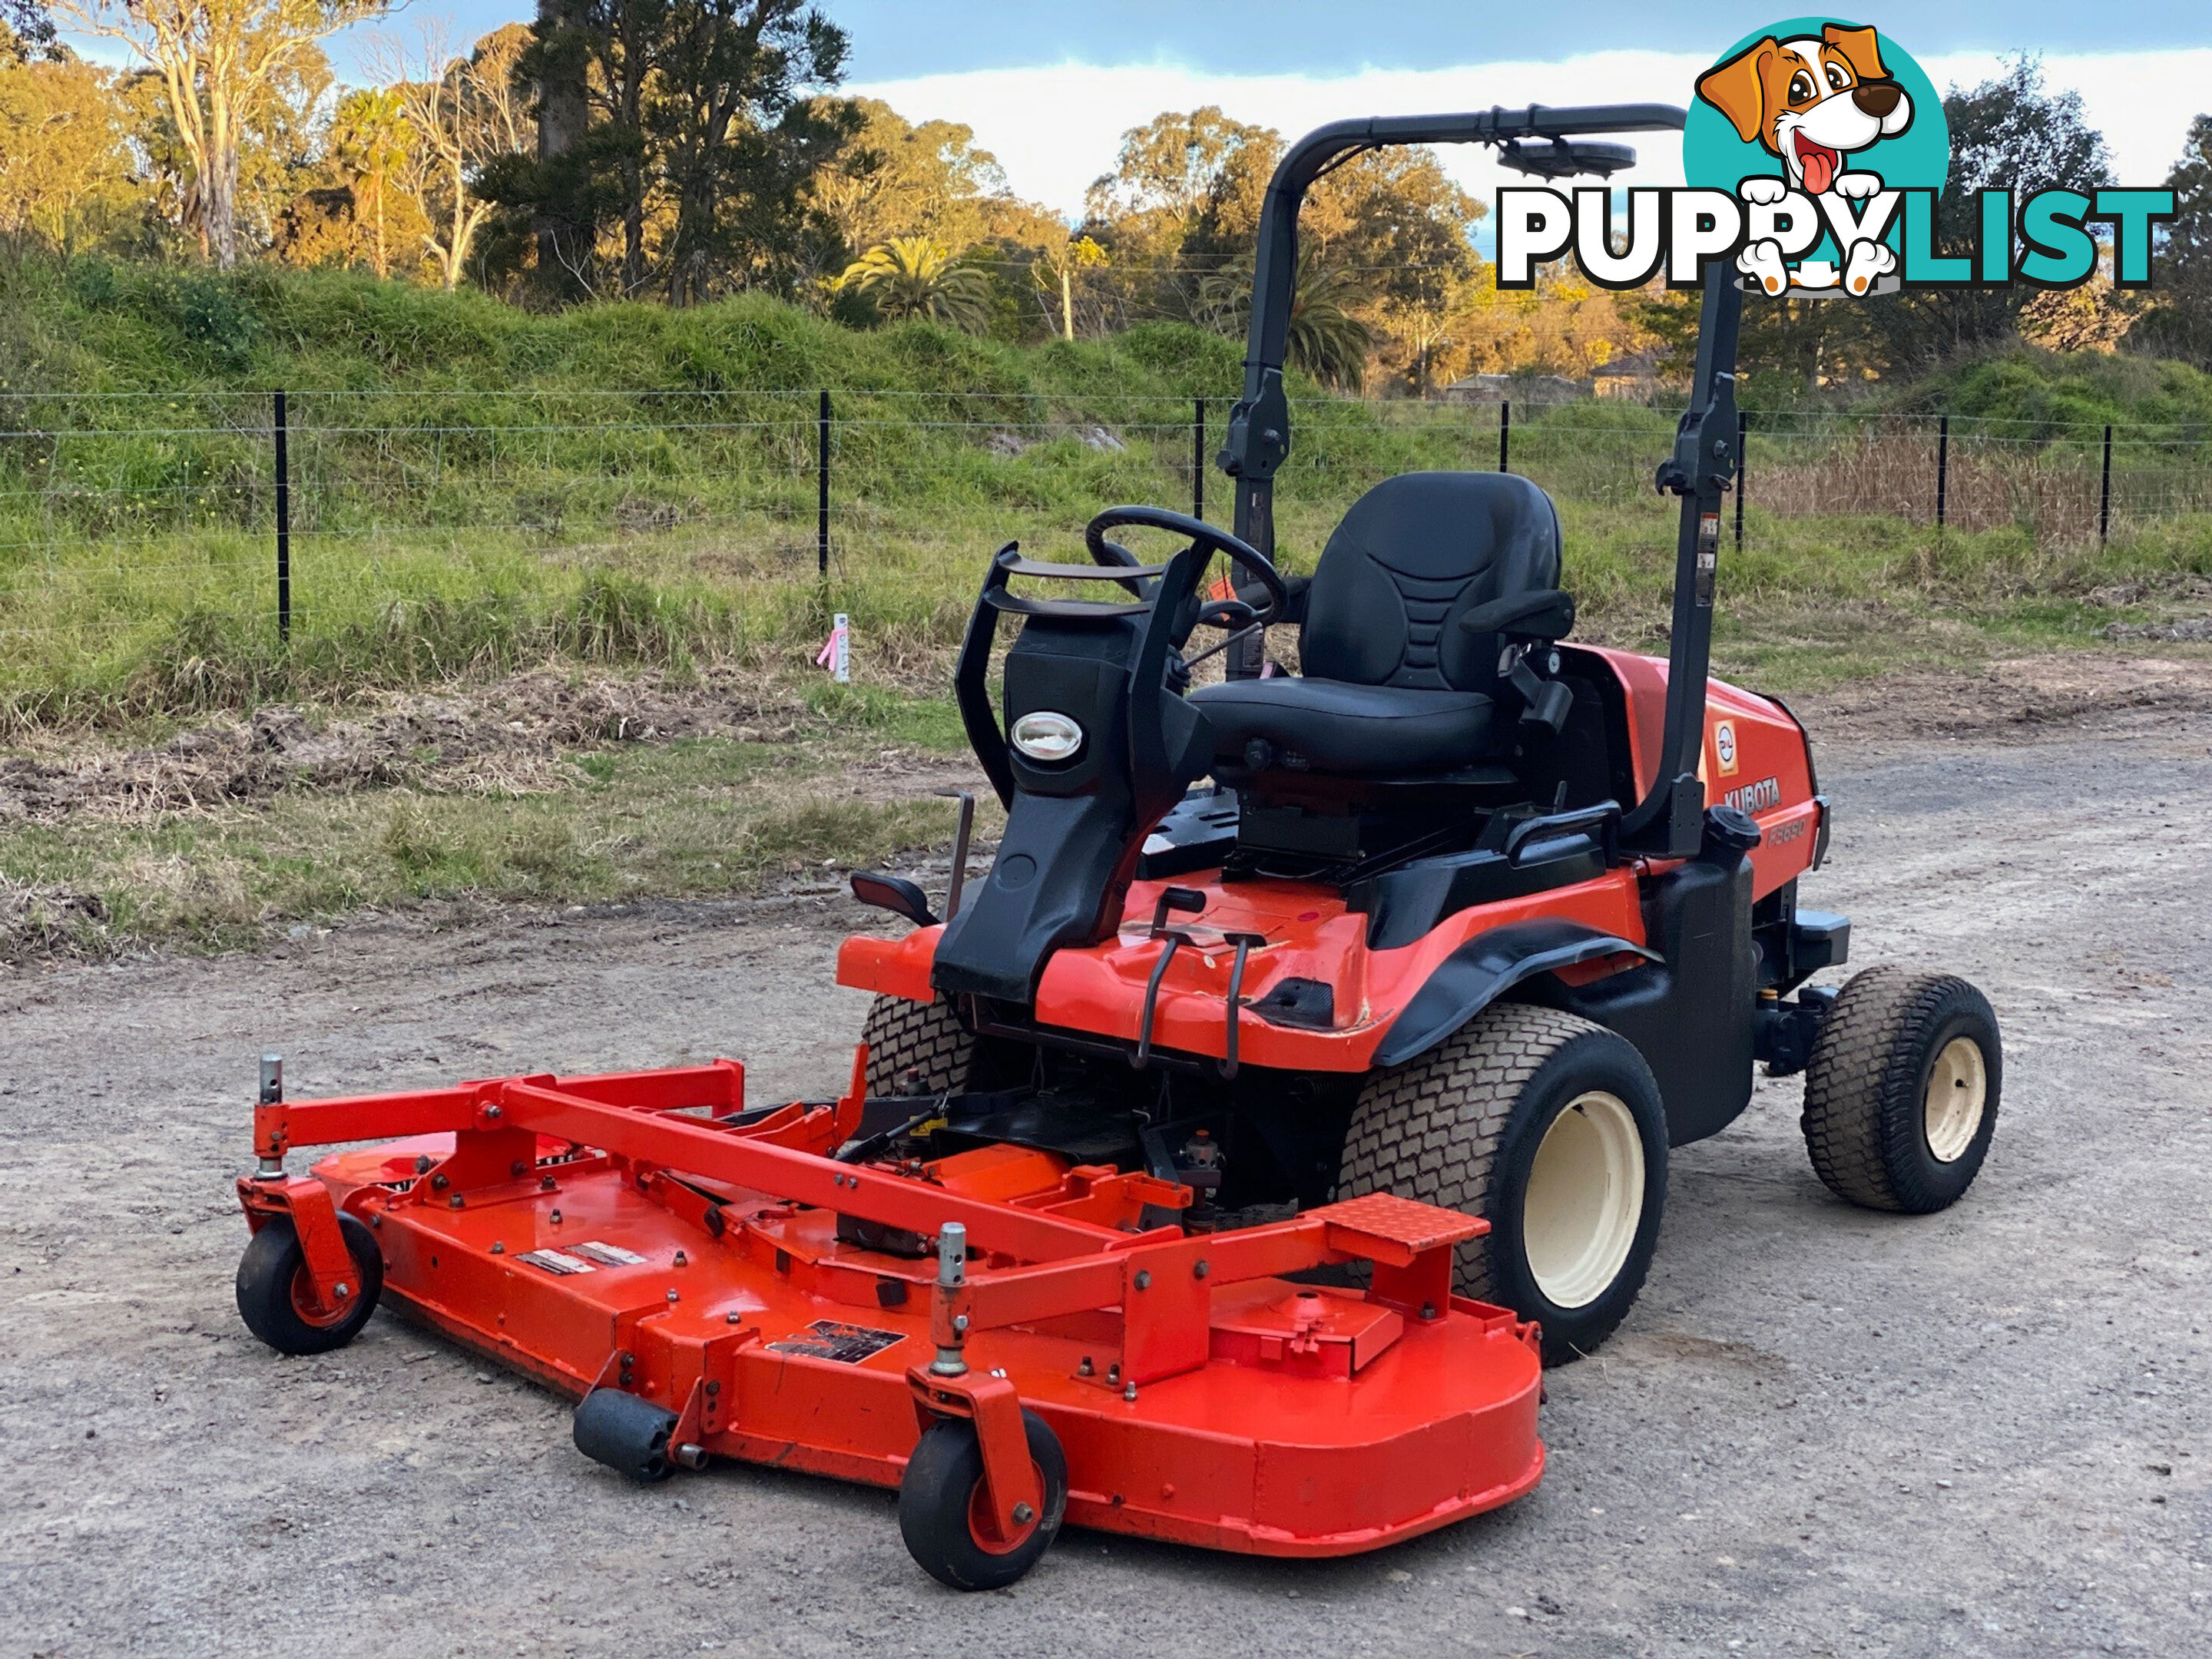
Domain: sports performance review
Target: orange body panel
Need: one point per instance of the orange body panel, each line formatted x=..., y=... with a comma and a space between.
x=1767, y=772
x=1755, y=758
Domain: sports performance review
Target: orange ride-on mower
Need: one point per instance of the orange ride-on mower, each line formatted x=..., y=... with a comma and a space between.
x=1225, y=1165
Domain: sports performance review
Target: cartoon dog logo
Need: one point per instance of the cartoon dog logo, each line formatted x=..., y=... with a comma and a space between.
x=1813, y=101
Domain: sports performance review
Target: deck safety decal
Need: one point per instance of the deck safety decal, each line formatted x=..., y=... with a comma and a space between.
x=609, y=1255
x=557, y=1262
x=846, y=1344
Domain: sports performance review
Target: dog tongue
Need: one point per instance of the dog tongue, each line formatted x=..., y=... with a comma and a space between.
x=1820, y=169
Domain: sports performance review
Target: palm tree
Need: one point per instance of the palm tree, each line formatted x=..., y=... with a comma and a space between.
x=1326, y=340
x=911, y=277
x=373, y=140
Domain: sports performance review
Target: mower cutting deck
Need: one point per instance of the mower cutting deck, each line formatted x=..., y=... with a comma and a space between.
x=995, y=1332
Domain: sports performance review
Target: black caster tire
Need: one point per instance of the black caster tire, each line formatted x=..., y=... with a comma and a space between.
x=945, y=1521
x=629, y=1435
x=1552, y=1129
x=1902, y=1091
x=276, y=1293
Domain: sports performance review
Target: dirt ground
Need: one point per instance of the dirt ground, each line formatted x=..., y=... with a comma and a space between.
x=1821, y=1432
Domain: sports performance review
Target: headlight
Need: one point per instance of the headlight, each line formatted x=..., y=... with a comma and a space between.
x=1047, y=736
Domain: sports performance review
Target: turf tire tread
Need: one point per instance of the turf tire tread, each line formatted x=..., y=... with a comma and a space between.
x=1430, y=1130
x=921, y=1038
x=1862, y=1079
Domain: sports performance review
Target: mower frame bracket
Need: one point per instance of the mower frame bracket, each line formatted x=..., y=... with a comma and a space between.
x=994, y=1406
x=683, y=1440
x=315, y=1218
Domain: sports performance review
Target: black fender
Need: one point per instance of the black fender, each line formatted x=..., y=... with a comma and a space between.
x=1481, y=970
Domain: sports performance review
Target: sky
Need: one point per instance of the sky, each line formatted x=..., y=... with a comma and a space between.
x=1049, y=88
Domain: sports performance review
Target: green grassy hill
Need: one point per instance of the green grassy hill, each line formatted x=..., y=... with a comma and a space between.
x=474, y=489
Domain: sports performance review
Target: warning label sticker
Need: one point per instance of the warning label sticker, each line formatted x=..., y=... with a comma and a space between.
x=557, y=1262
x=844, y=1344
x=609, y=1255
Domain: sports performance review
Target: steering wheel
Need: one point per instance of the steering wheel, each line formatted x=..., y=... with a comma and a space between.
x=1201, y=534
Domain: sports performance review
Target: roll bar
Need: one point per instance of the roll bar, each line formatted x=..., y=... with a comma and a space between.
x=1669, y=821
x=1259, y=426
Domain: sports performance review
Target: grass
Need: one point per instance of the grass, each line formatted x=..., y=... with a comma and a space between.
x=707, y=817
x=476, y=490
x=182, y=624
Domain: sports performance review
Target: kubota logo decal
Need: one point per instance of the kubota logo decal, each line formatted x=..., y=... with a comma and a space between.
x=1815, y=150
x=1755, y=798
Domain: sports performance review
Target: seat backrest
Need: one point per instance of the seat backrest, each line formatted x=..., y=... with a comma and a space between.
x=1411, y=555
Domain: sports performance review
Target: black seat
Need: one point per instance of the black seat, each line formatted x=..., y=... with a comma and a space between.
x=1393, y=684
x=1341, y=727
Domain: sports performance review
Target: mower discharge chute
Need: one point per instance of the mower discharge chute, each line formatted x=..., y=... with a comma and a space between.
x=1300, y=1077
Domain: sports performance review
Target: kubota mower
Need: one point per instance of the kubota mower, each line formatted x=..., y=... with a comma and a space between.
x=1299, y=1078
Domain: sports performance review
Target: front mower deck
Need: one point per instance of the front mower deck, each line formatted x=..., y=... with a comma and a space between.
x=754, y=1297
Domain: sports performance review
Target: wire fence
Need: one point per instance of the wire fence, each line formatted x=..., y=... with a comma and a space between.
x=292, y=510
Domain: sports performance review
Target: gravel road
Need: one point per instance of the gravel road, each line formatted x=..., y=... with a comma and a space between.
x=1822, y=1431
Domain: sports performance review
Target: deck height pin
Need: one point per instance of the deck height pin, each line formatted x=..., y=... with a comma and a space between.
x=272, y=1166
x=952, y=1276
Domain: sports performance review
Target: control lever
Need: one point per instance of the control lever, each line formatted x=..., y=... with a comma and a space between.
x=959, y=847
x=1245, y=944
x=1549, y=702
x=1171, y=899
x=894, y=894
x=1533, y=839
x=1175, y=899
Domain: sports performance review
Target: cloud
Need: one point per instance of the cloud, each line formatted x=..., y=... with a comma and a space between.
x=1056, y=127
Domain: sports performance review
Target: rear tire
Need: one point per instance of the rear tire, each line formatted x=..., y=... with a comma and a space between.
x=915, y=1048
x=1549, y=1126
x=1901, y=1094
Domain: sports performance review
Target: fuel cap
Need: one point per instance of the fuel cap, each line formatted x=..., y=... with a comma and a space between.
x=1732, y=827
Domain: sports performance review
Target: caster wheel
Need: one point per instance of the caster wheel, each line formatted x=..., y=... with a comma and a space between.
x=627, y=1434
x=946, y=1522
x=276, y=1294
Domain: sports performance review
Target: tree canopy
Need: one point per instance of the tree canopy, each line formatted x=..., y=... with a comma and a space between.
x=2179, y=318
x=677, y=150
x=27, y=30
x=693, y=126
x=2008, y=133
x=916, y=277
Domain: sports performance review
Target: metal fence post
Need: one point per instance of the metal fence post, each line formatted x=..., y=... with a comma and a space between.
x=821, y=480
x=1942, y=468
x=2104, y=493
x=1742, y=472
x=1198, y=459
x=282, y=426
x=1504, y=435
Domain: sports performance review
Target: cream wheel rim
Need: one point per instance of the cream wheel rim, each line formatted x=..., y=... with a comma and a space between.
x=1584, y=1200
x=1958, y=1092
